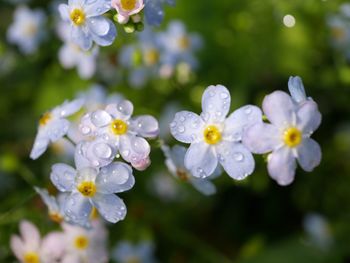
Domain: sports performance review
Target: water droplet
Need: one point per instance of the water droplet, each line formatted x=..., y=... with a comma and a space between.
x=193, y=137
x=85, y=130
x=102, y=150
x=238, y=157
x=126, y=153
x=182, y=118
x=221, y=158
x=210, y=106
x=248, y=110
x=218, y=113
x=95, y=163
x=211, y=93
x=224, y=95
x=181, y=129
x=173, y=124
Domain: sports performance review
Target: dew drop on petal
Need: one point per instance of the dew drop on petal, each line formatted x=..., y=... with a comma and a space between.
x=238, y=157
x=173, y=124
x=224, y=95
x=102, y=150
x=181, y=129
x=85, y=130
x=248, y=110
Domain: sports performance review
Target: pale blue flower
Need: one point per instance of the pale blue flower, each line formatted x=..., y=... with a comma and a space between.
x=318, y=230
x=297, y=90
x=215, y=138
x=87, y=22
x=125, y=252
x=287, y=136
x=154, y=11
x=91, y=187
x=27, y=30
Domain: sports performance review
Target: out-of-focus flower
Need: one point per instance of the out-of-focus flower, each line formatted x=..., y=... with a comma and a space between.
x=117, y=131
x=53, y=125
x=125, y=252
x=154, y=11
x=287, y=137
x=166, y=117
x=27, y=29
x=176, y=166
x=90, y=187
x=127, y=8
x=318, y=230
x=85, y=245
x=164, y=187
x=215, y=138
x=29, y=247
x=88, y=23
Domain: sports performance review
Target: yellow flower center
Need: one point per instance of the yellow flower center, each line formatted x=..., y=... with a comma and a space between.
x=151, y=57
x=30, y=29
x=81, y=242
x=45, y=118
x=128, y=5
x=31, y=257
x=87, y=188
x=77, y=16
x=212, y=135
x=119, y=127
x=182, y=175
x=292, y=137
x=184, y=42
x=56, y=217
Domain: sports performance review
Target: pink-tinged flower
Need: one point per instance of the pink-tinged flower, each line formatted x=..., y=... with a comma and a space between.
x=127, y=8
x=287, y=136
x=29, y=248
x=85, y=245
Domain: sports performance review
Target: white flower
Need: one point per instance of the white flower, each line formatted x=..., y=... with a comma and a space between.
x=176, y=166
x=27, y=29
x=297, y=90
x=53, y=125
x=125, y=252
x=85, y=245
x=127, y=8
x=88, y=23
x=29, y=247
x=90, y=187
x=287, y=136
x=214, y=138
x=119, y=132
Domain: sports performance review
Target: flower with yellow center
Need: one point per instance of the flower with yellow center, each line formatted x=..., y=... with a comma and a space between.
x=31, y=257
x=128, y=5
x=292, y=137
x=119, y=127
x=81, y=242
x=56, y=217
x=77, y=16
x=87, y=188
x=184, y=42
x=151, y=56
x=182, y=174
x=45, y=118
x=212, y=134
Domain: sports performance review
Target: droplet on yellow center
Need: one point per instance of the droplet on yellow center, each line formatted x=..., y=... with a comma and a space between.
x=45, y=118
x=292, y=137
x=151, y=57
x=212, y=135
x=128, y=5
x=119, y=127
x=182, y=175
x=184, y=42
x=31, y=257
x=87, y=188
x=81, y=242
x=56, y=217
x=77, y=16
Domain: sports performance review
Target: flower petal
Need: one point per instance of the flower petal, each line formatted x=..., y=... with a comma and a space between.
x=261, y=138
x=115, y=178
x=81, y=38
x=279, y=108
x=133, y=148
x=187, y=127
x=64, y=12
x=98, y=25
x=123, y=110
x=95, y=8
x=78, y=208
x=309, y=154
x=236, y=159
x=110, y=207
x=201, y=160
x=296, y=89
x=53, y=247
x=240, y=120
x=154, y=12
x=68, y=108
x=30, y=235
x=100, y=118
x=104, y=39
x=308, y=117
x=40, y=145
x=56, y=129
x=216, y=101
x=145, y=126
x=204, y=186
x=17, y=247
x=281, y=166
x=63, y=177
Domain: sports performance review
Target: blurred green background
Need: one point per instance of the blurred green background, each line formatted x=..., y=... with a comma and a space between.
x=248, y=49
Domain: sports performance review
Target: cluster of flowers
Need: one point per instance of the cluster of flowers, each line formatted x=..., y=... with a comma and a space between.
x=103, y=135
x=231, y=141
x=161, y=54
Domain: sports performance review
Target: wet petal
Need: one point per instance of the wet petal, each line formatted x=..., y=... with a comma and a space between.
x=296, y=89
x=30, y=235
x=40, y=145
x=154, y=12
x=98, y=25
x=146, y=126
x=133, y=148
x=279, y=108
x=201, y=160
x=68, y=108
x=240, y=120
x=56, y=129
x=114, y=178
x=95, y=8
x=187, y=127
x=104, y=39
x=216, y=101
x=236, y=159
x=123, y=110
x=309, y=154
x=81, y=38
x=281, y=166
x=64, y=12
x=78, y=208
x=110, y=207
x=261, y=138
x=308, y=117
x=204, y=186
x=100, y=118
x=63, y=177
